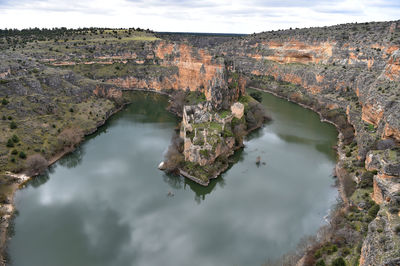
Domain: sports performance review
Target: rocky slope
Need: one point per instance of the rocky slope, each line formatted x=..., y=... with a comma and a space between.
x=349, y=74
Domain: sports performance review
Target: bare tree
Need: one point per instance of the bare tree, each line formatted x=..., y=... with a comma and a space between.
x=36, y=164
x=69, y=137
x=177, y=102
x=174, y=157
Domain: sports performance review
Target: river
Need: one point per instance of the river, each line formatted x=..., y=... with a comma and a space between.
x=108, y=204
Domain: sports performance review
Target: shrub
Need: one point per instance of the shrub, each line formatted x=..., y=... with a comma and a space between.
x=4, y=101
x=397, y=229
x=204, y=153
x=178, y=99
x=4, y=117
x=338, y=262
x=366, y=179
x=318, y=254
x=257, y=96
x=331, y=249
x=15, y=138
x=70, y=137
x=13, y=125
x=13, y=160
x=348, y=153
x=173, y=158
x=227, y=133
x=14, y=152
x=36, y=164
x=320, y=263
x=10, y=143
x=346, y=251
x=373, y=211
x=71, y=110
x=22, y=155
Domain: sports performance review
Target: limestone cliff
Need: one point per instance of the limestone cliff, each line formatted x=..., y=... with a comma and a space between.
x=350, y=75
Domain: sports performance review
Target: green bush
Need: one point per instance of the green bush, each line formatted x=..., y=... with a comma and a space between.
x=318, y=254
x=366, y=179
x=204, y=153
x=14, y=152
x=13, y=125
x=346, y=251
x=320, y=263
x=256, y=95
x=227, y=133
x=348, y=154
x=371, y=127
x=4, y=101
x=373, y=211
x=10, y=143
x=331, y=249
x=13, y=160
x=15, y=138
x=397, y=229
x=338, y=262
x=22, y=155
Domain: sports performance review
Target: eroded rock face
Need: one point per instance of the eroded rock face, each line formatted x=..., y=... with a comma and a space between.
x=335, y=70
x=381, y=246
x=386, y=162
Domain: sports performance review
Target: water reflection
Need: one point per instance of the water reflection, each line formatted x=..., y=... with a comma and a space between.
x=40, y=179
x=74, y=158
x=177, y=182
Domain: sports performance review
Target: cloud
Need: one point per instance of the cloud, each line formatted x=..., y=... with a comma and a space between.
x=233, y=16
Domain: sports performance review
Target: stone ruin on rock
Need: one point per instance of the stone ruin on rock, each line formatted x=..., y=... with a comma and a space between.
x=207, y=136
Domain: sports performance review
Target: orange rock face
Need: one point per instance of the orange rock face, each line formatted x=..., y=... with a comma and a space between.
x=196, y=71
x=297, y=52
x=372, y=114
x=377, y=194
x=391, y=132
x=5, y=74
x=110, y=93
x=392, y=69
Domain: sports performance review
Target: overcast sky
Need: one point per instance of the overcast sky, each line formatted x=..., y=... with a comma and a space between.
x=228, y=16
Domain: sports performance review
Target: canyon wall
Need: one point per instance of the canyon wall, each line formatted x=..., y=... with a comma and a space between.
x=161, y=66
x=341, y=71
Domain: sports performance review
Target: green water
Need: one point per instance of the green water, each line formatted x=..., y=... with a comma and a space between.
x=108, y=204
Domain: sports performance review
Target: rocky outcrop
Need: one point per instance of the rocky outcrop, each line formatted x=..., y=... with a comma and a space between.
x=382, y=245
x=207, y=136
